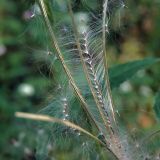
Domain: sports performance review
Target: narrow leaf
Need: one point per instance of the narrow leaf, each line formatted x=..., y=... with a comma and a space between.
x=45, y=118
x=120, y=73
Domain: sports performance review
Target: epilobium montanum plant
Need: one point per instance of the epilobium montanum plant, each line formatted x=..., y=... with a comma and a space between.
x=83, y=106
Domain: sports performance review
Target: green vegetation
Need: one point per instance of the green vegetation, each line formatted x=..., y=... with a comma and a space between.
x=33, y=80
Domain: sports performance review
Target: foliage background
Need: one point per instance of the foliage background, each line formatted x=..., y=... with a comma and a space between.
x=26, y=83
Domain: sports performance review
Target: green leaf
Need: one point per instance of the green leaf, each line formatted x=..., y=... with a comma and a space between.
x=120, y=73
x=157, y=105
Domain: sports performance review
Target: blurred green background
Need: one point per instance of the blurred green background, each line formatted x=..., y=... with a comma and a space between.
x=26, y=83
